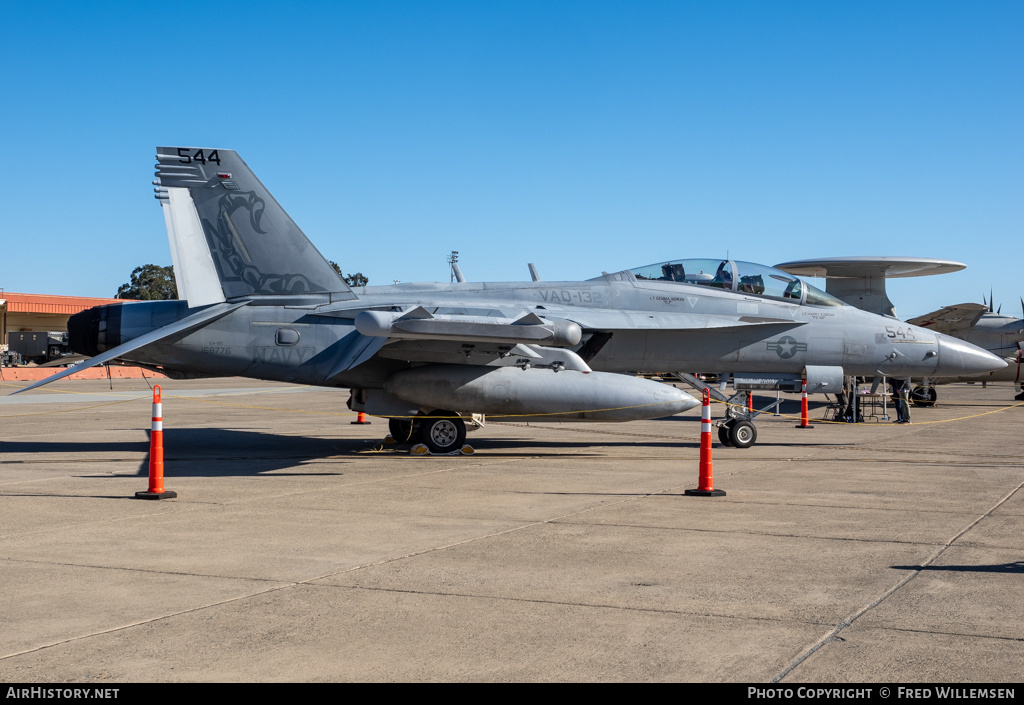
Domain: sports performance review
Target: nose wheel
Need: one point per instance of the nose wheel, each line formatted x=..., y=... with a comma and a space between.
x=737, y=433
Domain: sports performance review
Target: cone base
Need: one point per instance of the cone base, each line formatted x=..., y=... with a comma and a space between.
x=807, y=426
x=705, y=493
x=169, y=494
x=359, y=423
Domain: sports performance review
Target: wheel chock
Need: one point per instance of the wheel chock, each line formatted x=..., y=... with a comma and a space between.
x=421, y=449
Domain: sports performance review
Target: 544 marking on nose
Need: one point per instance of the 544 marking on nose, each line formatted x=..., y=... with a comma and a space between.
x=901, y=332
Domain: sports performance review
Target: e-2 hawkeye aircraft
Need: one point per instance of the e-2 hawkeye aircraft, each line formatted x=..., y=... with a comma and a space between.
x=860, y=282
x=981, y=325
x=260, y=301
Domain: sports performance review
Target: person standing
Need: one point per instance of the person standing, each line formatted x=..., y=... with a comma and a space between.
x=901, y=400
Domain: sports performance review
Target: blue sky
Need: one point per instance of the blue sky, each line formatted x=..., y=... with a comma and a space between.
x=581, y=136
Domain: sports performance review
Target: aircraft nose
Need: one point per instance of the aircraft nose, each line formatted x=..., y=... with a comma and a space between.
x=960, y=358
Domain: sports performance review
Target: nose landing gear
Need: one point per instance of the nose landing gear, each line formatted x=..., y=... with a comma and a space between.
x=737, y=433
x=738, y=430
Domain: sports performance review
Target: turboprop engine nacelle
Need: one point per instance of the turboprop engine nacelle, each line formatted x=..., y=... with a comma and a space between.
x=544, y=394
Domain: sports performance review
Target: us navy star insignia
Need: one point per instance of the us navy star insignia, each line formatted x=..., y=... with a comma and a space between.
x=787, y=346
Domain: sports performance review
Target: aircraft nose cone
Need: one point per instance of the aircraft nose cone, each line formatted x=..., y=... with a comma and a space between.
x=958, y=357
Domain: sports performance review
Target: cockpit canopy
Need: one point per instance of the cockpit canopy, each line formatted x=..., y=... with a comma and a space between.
x=741, y=277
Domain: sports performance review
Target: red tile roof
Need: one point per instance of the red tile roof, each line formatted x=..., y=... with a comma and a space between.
x=45, y=303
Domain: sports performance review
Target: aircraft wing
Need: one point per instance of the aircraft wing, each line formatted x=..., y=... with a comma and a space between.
x=552, y=327
x=951, y=319
x=491, y=337
x=180, y=327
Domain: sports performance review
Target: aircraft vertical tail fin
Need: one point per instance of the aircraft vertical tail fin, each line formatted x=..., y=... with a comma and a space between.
x=229, y=237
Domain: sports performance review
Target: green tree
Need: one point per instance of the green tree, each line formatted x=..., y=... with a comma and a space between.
x=357, y=279
x=150, y=282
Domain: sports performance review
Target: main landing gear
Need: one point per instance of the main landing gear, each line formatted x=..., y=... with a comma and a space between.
x=404, y=431
x=924, y=396
x=441, y=431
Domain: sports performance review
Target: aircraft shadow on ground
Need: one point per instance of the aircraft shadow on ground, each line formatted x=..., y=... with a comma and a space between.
x=203, y=452
x=213, y=452
x=481, y=443
x=1015, y=568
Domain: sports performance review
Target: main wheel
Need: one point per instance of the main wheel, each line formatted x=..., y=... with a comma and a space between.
x=404, y=430
x=924, y=396
x=443, y=432
x=723, y=435
x=742, y=434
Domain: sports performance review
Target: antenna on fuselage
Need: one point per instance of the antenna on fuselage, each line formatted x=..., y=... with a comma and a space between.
x=453, y=262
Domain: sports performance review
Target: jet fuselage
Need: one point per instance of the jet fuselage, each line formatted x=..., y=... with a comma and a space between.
x=648, y=326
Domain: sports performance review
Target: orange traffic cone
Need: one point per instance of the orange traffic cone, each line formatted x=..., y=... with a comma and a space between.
x=156, y=453
x=804, y=421
x=706, y=484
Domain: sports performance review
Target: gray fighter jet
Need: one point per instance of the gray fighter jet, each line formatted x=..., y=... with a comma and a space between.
x=260, y=301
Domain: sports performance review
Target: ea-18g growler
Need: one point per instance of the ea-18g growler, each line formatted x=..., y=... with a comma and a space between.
x=258, y=300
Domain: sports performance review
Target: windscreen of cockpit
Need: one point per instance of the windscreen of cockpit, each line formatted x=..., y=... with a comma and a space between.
x=743, y=277
x=817, y=297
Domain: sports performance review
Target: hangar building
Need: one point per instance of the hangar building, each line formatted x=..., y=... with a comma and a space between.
x=39, y=313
